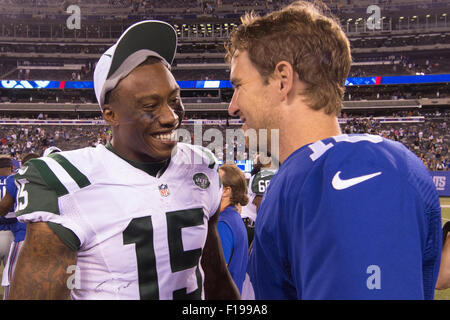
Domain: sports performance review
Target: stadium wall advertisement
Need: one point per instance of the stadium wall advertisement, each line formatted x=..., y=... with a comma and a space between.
x=441, y=180
x=222, y=84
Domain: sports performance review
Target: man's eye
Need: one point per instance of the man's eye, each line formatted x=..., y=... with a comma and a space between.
x=175, y=101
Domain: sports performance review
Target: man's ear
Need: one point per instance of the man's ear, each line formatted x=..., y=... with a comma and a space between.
x=110, y=116
x=284, y=74
x=226, y=192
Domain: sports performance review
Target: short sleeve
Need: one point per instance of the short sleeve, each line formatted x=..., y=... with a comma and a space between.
x=226, y=239
x=39, y=190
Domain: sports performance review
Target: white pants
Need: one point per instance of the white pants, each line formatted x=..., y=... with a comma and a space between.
x=10, y=266
x=6, y=237
x=247, y=289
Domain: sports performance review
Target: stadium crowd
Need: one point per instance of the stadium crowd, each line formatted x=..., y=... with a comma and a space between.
x=429, y=140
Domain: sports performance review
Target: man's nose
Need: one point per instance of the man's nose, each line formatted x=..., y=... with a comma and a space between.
x=233, y=107
x=168, y=117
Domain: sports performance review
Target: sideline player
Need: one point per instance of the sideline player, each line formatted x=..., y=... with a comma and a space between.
x=17, y=228
x=6, y=236
x=346, y=216
x=134, y=219
x=260, y=178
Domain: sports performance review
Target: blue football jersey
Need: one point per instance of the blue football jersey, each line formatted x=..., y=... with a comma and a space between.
x=348, y=217
x=7, y=184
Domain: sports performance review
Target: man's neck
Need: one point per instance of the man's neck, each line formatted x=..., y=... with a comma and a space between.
x=305, y=128
x=224, y=204
x=154, y=169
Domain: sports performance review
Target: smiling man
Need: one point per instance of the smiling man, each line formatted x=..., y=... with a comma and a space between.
x=128, y=220
x=346, y=216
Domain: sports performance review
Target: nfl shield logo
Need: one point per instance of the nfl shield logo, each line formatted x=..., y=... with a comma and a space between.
x=164, y=190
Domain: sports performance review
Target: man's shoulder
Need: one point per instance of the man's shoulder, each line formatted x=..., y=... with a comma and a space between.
x=62, y=172
x=261, y=180
x=195, y=156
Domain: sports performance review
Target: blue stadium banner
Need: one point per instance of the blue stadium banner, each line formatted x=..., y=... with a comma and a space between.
x=441, y=180
x=223, y=84
x=361, y=81
x=432, y=78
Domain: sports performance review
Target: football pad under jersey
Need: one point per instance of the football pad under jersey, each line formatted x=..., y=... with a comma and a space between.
x=137, y=236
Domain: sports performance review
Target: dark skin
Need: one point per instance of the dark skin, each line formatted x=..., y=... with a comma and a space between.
x=7, y=201
x=41, y=271
x=6, y=204
x=144, y=104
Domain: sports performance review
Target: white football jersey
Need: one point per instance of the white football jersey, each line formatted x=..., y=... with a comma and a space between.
x=137, y=236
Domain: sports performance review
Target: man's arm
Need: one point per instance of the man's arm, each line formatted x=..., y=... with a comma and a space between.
x=257, y=202
x=443, y=281
x=41, y=271
x=218, y=282
x=6, y=204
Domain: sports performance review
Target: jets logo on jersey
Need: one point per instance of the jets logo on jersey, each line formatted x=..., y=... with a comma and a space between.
x=201, y=180
x=164, y=190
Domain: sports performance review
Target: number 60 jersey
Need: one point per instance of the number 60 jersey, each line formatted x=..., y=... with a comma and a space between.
x=137, y=236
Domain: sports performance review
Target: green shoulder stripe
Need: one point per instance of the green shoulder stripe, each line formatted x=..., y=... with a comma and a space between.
x=81, y=180
x=67, y=236
x=34, y=194
x=49, y=177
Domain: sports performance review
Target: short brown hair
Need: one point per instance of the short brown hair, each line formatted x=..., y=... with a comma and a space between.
x=234, y=178
x=5, y=161
x=307, y=36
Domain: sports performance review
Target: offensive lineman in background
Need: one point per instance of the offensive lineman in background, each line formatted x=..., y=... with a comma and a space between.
x=135, y=219
x=259, y=181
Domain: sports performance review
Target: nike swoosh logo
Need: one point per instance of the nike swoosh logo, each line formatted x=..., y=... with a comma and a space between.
x=340, y=184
